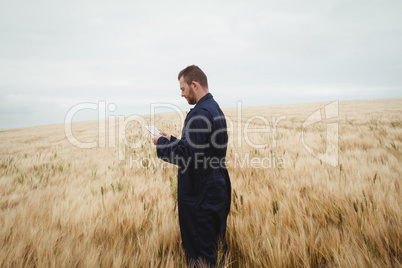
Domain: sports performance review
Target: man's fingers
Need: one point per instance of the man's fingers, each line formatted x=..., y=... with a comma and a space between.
x=153, y=138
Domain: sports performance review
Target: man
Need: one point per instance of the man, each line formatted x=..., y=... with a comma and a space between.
x=204, y=188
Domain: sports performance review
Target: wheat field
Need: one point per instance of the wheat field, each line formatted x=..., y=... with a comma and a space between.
x=65, y=206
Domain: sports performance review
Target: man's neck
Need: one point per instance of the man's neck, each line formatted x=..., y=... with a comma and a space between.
x=201, y=95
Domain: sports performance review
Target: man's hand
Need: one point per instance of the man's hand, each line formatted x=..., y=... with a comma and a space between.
x=167, y=136
x=155, y=137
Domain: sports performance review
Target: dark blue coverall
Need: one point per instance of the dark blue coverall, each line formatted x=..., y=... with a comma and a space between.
x=204, y=188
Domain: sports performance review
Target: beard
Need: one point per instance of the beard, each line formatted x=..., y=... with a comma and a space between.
x=191, y=97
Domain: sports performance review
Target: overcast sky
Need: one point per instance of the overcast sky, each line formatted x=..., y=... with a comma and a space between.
x=56, y=54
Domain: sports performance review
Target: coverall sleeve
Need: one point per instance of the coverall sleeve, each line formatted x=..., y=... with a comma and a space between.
x=195, y=140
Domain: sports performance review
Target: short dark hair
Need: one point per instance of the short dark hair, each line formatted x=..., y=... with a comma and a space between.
x=193, y=73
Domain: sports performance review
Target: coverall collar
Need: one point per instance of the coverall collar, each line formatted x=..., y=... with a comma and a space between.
x=207, y=96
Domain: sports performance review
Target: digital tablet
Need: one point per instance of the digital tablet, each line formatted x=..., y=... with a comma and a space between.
x=153, y=130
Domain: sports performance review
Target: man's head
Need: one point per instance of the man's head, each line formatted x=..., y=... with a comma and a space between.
x=193, y=84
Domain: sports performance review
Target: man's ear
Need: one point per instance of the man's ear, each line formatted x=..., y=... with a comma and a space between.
x=195, y=85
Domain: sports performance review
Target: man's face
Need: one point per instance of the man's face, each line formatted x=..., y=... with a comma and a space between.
x=187, y=92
